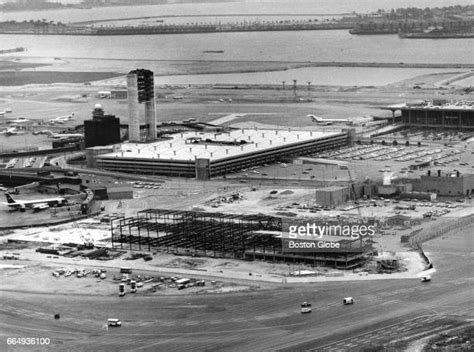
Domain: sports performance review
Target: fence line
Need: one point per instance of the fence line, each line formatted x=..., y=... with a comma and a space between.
x=425, y=235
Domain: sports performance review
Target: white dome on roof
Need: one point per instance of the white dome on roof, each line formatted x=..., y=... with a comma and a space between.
x=97, y=106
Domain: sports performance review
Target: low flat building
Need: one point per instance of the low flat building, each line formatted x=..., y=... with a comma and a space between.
x=447, y=184
x=454, y=184
x=108, y=191
x=332, y=196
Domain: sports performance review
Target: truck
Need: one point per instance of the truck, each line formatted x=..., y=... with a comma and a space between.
x=183, y=281
x=114, y=322
x=125, y=270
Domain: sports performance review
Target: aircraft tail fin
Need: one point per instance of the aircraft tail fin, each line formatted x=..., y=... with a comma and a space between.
x=315, y=118
x=10, y=200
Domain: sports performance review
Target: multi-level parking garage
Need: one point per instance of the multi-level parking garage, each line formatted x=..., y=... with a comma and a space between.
x=220, y=235
x=205, y=154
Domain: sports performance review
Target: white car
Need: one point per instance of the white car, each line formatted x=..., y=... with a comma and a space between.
x=305, y=307
x=348, y=300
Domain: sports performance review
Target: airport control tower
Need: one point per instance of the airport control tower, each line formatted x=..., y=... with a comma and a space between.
x=141, y=90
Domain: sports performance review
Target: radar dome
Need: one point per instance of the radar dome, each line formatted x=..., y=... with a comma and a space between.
x=97, y=106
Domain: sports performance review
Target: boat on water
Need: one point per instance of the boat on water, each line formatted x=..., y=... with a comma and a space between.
x=213, y=51
x=364, y=31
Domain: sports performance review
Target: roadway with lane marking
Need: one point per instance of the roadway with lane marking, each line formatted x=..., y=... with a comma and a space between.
x=384, y=310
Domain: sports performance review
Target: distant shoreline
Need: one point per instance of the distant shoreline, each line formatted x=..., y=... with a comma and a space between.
x=13, y=73
x=216, y=15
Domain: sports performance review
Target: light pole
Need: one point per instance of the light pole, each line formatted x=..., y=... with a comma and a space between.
x=294, y=89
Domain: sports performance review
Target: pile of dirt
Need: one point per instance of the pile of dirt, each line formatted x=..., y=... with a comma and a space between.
x=227, y=265
x=187, y=263
x=71, y=99
x=286, y=213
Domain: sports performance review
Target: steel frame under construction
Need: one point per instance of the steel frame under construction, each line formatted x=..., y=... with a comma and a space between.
x=220, y=235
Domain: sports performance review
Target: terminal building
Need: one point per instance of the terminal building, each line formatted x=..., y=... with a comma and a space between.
x=195, y=150
x=436, y=114
x=203, y=155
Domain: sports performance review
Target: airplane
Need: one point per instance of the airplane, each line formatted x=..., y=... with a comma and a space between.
x=38, y=204
x=12, y=131
x=326, y=122
x=65, y=135
x=319, y=120
x=19, y=120
x=62, y=119
x=48, y=132
x=8, y=130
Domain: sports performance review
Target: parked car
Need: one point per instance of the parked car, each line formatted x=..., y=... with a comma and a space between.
x=348, y=300
x=305, y=307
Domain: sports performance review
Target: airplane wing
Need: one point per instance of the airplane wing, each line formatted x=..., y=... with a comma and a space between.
x=40, y=206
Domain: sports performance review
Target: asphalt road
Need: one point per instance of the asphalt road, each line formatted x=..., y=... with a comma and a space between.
x=267, y=320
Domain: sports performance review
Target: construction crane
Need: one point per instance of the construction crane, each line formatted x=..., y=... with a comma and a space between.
x=88, y=241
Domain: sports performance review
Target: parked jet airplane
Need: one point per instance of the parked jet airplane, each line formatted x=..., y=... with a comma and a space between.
x=37, y=204
x=19, y=120
x=10, y=131
x=65, y=135
x=322, y=121
x=362, y=121
x=61, y=119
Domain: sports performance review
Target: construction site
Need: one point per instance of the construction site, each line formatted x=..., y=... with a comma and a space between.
x=248, y=237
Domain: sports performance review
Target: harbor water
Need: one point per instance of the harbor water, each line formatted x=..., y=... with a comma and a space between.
x=292, y=46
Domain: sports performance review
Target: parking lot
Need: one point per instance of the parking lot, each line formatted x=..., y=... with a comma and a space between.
x=364, y=161
x=23, y=162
